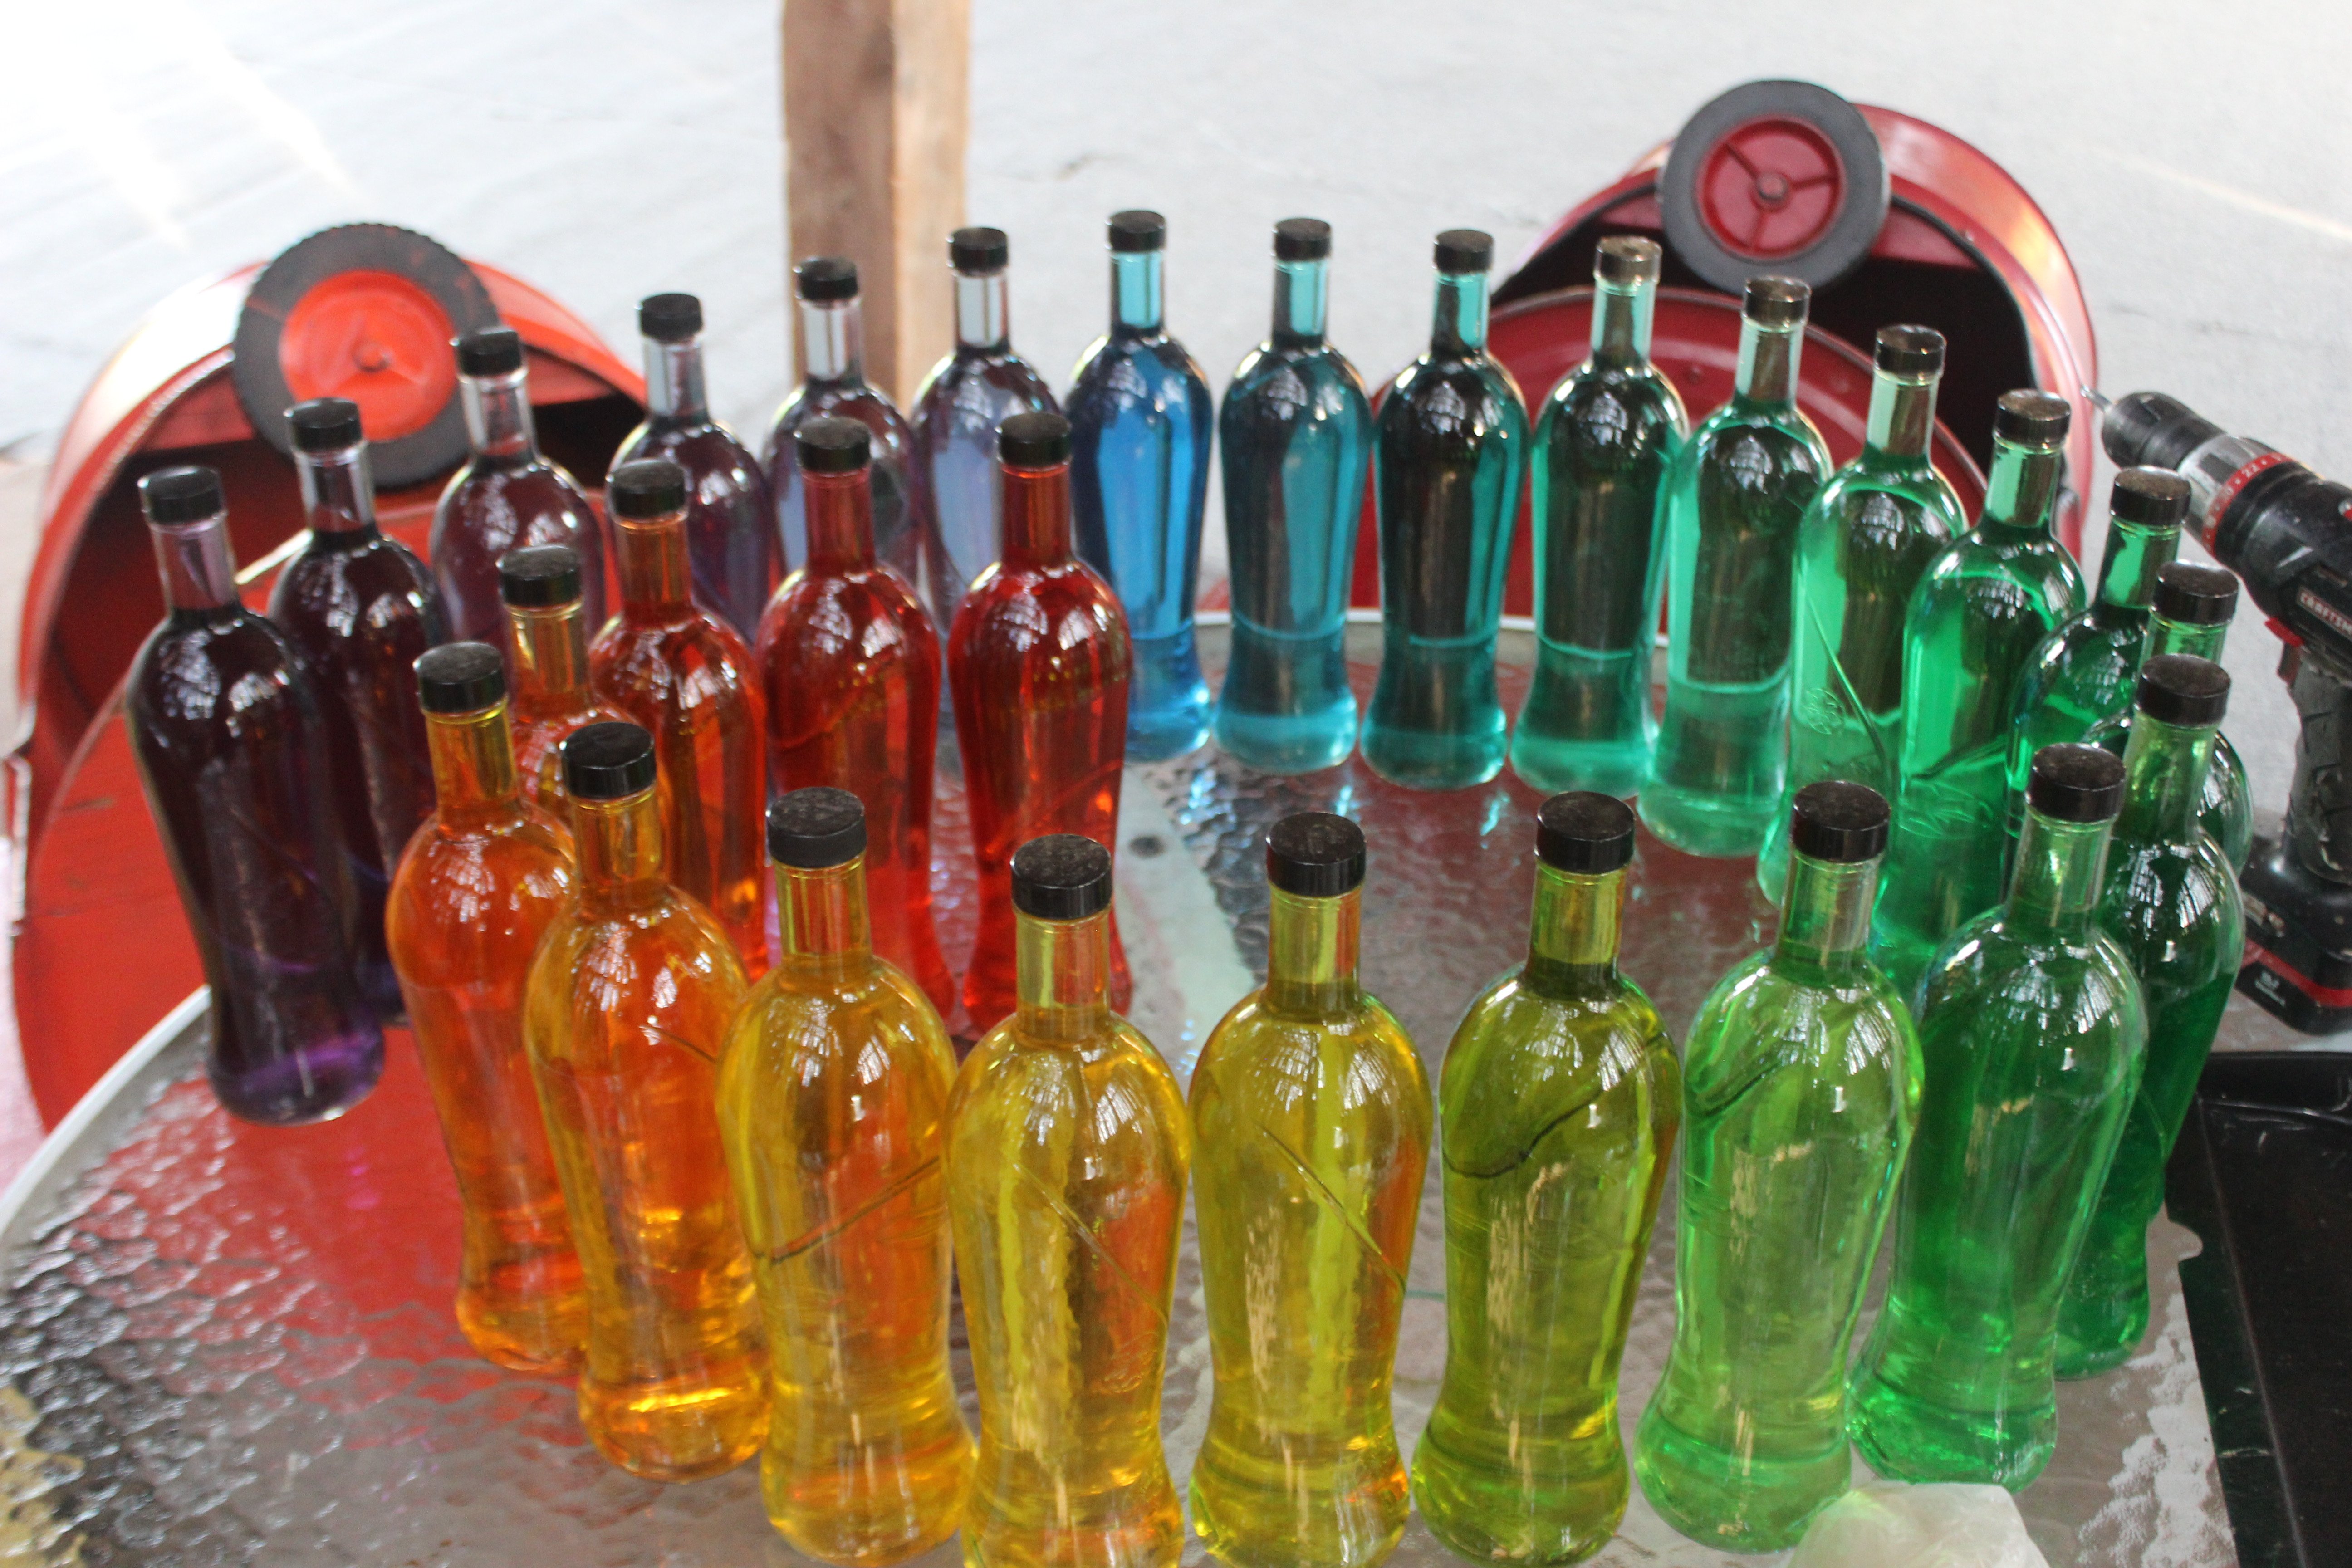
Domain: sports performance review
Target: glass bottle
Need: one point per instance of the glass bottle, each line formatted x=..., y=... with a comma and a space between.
x=479, y=886
x=1451, y=433
x=833, y=1098
x=956, y=411
x=1310, y=1135
x=627, y=1009
x=1067, y=1154
x=2171, y=903
x=1603, y=443
x=1561, y=1099
x=1861, y=547
x=1038, y=665
x=232, y=754
x=1140, y=424
x=2032, y=1030
x=681, y=671
x=360, y=608
x=1735, y=497
x=548, y=645
x=1293, y=438
x=1801, y=1086
x=2194, y=604
x=731, y=534
x=1975, y=619
x=505, y=496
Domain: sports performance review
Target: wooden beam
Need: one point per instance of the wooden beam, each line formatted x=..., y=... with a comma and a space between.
x=877, y=114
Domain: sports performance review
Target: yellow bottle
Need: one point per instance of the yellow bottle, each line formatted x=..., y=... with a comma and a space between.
x=630, y=998
x=1311, y=1120
x=1067, y=1154
x=833, y=1098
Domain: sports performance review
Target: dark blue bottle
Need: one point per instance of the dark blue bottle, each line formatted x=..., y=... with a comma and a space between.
x=1140, y=423
x=1294, y=436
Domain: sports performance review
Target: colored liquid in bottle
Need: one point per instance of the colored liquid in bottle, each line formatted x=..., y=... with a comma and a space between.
x=547, y=650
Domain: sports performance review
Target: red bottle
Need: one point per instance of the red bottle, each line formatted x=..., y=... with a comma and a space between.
x=1038, y=662
x=851, y=669
x=681, y=671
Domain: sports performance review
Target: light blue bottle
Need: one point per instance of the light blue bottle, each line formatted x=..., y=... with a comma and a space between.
x=1292, y=436
x=1140, y=423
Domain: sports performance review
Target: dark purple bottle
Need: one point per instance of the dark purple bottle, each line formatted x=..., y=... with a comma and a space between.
x=730, y=529
x=231, y=749
x=360, y=608
x=507, y=496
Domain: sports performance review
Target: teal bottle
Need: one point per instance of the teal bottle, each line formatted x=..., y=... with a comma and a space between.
x=2194, y=604
x=1801, y=1084
x=2171, y=903
x=1603, y=443
x=1449, y=439
x=1861, y=549
x=1733, y=499
x=2032, y=1030
x=1973, y=623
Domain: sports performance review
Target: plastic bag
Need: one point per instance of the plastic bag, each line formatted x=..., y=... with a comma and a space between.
x=1889, y=1525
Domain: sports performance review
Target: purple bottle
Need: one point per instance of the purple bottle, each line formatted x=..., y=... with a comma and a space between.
x=360, y=608
x=731, y=535
x=233, y=754
x=507, y=496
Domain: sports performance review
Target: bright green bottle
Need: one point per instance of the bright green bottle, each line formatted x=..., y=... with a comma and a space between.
x=1864, y=542
x=1310, y=1126
x=2171, y=902
x=1603, y=442
x=1560, y=1098
x=2034, y=1030
x=1734, y=498
x=1973, y=622
x=1801, y=1084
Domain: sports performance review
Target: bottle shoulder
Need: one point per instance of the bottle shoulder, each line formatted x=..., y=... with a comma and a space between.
x=2174, y=905
x=971, y=387
x=377, y=589
x=1765, y=1019
x=236, y=669
x=663, y=956
x=529, y=489
x=1270, y=1050
x=1450, y=396
x=1751, y=442
x=1521, y=1062
x=856, y=399
x=1993, y=982
x=793, y=1033
x=1054, y=612
x=707, y=450
x=486, y=880
x=868, y=615
x=696, y=655
x=1301, y=373
x=1009, y=1075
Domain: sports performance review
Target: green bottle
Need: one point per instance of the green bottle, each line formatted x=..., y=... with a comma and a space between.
x=1734, y=498
x=1311, y=1137
x=2034, y=1030
x=1603, y=443
x=1560, y=1098
x=1973, y=622
x=1801, y=1084
x=1864, y=542
x=2171, y=903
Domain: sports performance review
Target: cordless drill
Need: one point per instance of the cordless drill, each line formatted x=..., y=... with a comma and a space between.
x=2287, y=533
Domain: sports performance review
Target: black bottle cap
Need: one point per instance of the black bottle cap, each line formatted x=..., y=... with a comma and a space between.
x=461, y=677
x=1464, y=251
x=2077, y=784
x=1624, y=258
x=1315, y=855
x=1777, y=302
x=1037, y=440
x=2029, y=419
x=181, y=495
x=607, y=762
x=2195, y=594
x=2181, y=688
x=493, y=350
x=978, y=252
x=1302, y=239
x=1137, y=231
x=669, y=318
x=825, y=278
x=539, y=576
x=650, y=487
x=1061, y=877
x=325, y=425
x=1583, y=833
x=1838, y=822
x=832, y=446
x=2151, y=498
x=811, y=829
x=1910, y=350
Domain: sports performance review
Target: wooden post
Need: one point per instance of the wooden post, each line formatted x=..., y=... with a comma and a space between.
x=876, y=116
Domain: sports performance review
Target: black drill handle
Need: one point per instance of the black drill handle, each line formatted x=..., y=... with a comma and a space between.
x=2319, y=801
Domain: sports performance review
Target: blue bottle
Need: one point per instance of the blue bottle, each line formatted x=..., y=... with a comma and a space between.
x=1293, y=438
x=1140, y=422
x=1452, y=436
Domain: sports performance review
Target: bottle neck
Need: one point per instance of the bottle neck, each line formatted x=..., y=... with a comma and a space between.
x=1767, y=362
x=1902, y=415
x=1063, y=974
x=833, y=340
x=473, y=765
x=1621, y=317
x=674, y=390
x=338, y=495
x=1311, y=952
x=1037, y=506
x=2180, y=637
x=550, y=662
x=497, y=415
x=1459, y=327
x=821, y=916
x=2054, y=889
x=2134, y=554
x=1302, y=300
x=840, y=520
x=983, y=318
x=1572, y=940
x=1137, y=305
x=1825, y=916
x=653, y=567
x=620, y=846
x=2023, y=488
x=2164, y=778
x=198, y=571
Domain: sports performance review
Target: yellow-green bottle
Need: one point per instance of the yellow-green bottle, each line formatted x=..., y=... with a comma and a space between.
x=1310, y=1135
x=833, y=1096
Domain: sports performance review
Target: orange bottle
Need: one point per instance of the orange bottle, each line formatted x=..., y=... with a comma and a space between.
x=547, y=634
